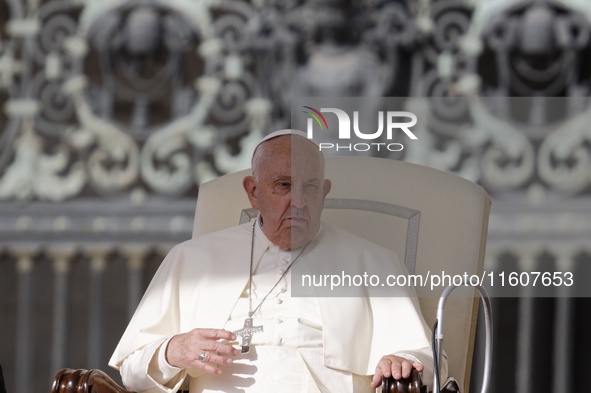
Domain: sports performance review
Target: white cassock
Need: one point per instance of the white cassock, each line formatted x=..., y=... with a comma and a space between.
x=308, y=344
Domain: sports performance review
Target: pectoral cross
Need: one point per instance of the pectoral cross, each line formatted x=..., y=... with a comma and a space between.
x=246, y=333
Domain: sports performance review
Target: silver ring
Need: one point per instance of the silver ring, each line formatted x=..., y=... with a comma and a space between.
x=201, y=356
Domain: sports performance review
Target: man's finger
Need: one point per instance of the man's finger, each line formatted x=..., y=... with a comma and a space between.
x=216, y=346
x=217, y=359
x=228, y=349
x=377, y=379
x=385, y=367
x=406, y=368
x=217, y=334
x=208, y=368
x=396, y=368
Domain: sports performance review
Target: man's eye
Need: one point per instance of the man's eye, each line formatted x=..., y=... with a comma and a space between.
x=283, y=186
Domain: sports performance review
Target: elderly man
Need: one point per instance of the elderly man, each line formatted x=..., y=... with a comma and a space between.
x=237, y=282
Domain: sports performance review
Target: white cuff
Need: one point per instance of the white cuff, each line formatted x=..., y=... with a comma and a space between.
x=408, y=356
x=141, y=371
x=166, y=369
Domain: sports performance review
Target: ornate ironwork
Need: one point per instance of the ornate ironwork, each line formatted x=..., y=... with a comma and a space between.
x=125, y=95
x=114, y=112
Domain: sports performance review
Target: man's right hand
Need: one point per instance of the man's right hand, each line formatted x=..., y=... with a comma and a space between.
x=183, y=350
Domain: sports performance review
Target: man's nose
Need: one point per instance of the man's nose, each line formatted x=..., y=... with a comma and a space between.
x=298, y=197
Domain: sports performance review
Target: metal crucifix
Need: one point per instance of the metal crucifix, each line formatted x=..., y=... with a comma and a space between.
x=246, y=333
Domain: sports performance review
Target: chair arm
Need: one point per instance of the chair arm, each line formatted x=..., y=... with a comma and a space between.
x=85, y=381
x=412, y=384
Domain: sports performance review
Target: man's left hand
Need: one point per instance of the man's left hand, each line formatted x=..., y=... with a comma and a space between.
x=395, y=366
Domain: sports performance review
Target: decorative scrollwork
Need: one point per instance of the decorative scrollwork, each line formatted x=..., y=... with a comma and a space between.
x=160, y=95
x=55, y=30
x=564, y=158
x=527, y=49
x=35, y=174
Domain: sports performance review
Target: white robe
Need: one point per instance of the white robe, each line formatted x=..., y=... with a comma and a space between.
x=200, y=280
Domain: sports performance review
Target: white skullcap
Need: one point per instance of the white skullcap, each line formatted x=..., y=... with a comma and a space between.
x=288, y=131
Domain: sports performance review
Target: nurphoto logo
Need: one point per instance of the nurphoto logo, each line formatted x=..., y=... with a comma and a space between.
x=390, y=118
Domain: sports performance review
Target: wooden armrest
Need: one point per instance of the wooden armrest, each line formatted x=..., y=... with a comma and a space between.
x=412, y=384
x=84, y=381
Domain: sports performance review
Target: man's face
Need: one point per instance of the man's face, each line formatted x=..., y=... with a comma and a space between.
x=289, y=190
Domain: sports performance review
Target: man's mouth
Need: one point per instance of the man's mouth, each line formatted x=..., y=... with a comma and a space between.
x=297, y=219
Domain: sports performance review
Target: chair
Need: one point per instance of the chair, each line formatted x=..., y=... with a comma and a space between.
x=84, y=381
x=432, y=219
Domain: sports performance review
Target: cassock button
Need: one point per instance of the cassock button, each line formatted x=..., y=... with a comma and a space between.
x=278, y=320
x=281, y=271
x=277, y=340
x=285, y=261
x=278, y=301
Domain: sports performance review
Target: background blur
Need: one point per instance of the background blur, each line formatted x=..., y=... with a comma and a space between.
x=113, y=112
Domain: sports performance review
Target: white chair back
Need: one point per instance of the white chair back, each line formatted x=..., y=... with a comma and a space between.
x=435, y=221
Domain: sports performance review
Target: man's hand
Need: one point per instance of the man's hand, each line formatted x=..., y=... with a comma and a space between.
x=396, y=366
x=183, y=350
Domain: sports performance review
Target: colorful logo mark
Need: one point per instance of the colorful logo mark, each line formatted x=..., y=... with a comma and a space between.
x=316, y=117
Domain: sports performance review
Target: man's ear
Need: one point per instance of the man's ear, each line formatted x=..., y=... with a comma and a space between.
x=250, y=186
x=326, y=187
